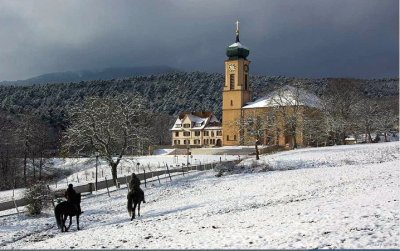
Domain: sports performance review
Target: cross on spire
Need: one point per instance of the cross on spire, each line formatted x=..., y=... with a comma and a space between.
x=237, y=31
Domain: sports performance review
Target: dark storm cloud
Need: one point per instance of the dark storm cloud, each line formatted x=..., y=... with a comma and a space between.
x=310, y=38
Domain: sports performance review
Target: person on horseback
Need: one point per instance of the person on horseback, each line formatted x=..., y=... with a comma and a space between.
x=71, y=194
x=134, y=185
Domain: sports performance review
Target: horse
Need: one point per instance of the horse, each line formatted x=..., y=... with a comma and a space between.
x=65, y=209
x=135, y=196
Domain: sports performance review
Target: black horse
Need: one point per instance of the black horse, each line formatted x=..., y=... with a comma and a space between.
x=136, y=197
x=65, y=209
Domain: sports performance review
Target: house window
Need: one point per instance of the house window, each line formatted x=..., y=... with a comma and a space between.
x=186, y=125
x=186, y=134
x=245, y=82
x=232, y=81
x=197, y=133
x=178, y=125
x=219, y=133
x=212, y=133
x=206, y=133
x=176, y=134
x=234, y=137
x=227, y=137
x=231, y=102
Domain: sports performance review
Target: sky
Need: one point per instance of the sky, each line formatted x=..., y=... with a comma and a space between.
x=307, y=38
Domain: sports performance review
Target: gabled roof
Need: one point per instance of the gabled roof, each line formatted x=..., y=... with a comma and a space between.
x=199, y=120
x=286, y=96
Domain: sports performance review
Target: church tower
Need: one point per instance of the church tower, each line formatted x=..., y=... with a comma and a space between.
x=236, y=91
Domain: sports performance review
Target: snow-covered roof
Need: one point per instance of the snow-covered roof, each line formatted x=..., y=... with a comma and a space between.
x=238, y=45
x=214, y=119
x=196, y=122
x=286, y=96
x=196, y=119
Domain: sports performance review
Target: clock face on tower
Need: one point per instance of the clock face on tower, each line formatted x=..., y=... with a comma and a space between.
x=232, y=67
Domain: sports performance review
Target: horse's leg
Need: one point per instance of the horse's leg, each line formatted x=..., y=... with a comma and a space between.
x=70, y=222
x=134, y=209
x=138, y=210
x=77, y=221
x=64, y=219
x=61, y=222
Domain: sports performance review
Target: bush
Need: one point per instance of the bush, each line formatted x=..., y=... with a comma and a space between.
x=38, y=197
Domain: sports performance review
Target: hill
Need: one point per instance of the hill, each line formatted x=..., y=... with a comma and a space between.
x=345, y=201
x=85, y=75
x=168, y=93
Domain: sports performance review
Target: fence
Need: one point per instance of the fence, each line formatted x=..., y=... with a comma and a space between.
x=150, y=176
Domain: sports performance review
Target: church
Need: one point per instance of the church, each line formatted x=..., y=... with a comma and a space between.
x=280, y=118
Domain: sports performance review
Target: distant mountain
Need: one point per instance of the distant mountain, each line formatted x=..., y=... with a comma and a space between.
x=86, y=75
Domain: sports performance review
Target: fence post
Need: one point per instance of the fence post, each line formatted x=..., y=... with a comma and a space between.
x=108, y=191
x=183, y=171
x=52, y=201
x=168, y=172
x=145, y=183
x=15, y=204
x=127, y=183
x=91, y=188
x=159, y=182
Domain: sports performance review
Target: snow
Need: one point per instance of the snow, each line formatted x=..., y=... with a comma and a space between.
x=334, y=197
x=286, y=96
x=83, y=169
x=238, y=45
x=163, y=151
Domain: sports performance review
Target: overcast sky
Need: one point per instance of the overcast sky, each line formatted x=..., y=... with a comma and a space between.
x=307, y=38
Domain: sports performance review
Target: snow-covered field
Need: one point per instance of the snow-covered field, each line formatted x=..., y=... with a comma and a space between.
x=84, y=169
x=348, y=199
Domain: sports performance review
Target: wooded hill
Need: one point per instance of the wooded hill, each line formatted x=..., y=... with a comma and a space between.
x=167, y=93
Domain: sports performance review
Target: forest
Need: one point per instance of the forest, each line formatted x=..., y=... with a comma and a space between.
x=33, y=118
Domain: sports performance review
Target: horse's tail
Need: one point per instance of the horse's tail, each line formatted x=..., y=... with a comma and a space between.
x=57, y=214
x=130, y=199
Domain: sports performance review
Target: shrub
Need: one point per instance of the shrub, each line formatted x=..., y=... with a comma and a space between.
x=38, y=197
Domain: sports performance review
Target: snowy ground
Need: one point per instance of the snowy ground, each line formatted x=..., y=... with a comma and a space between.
x=350, y=199
x=84, y=169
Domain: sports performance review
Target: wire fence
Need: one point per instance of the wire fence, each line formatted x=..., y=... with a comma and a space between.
x=160, y=176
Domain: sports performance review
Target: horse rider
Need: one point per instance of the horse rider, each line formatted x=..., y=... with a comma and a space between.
x=71, y=194
x=134, y=184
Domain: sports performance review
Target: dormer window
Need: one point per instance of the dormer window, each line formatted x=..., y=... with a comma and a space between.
x=178, y=125
x=186, y=125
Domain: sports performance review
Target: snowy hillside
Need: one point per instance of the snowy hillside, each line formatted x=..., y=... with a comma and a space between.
x=335, y=197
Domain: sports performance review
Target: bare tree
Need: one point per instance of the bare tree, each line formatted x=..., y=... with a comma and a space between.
x=389, y=121
x=366, y=117
x=339, y=98
x=292, y=106
x=160, y=131
x=109, y=126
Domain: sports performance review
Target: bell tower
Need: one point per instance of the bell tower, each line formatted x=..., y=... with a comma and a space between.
x=236, y=92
